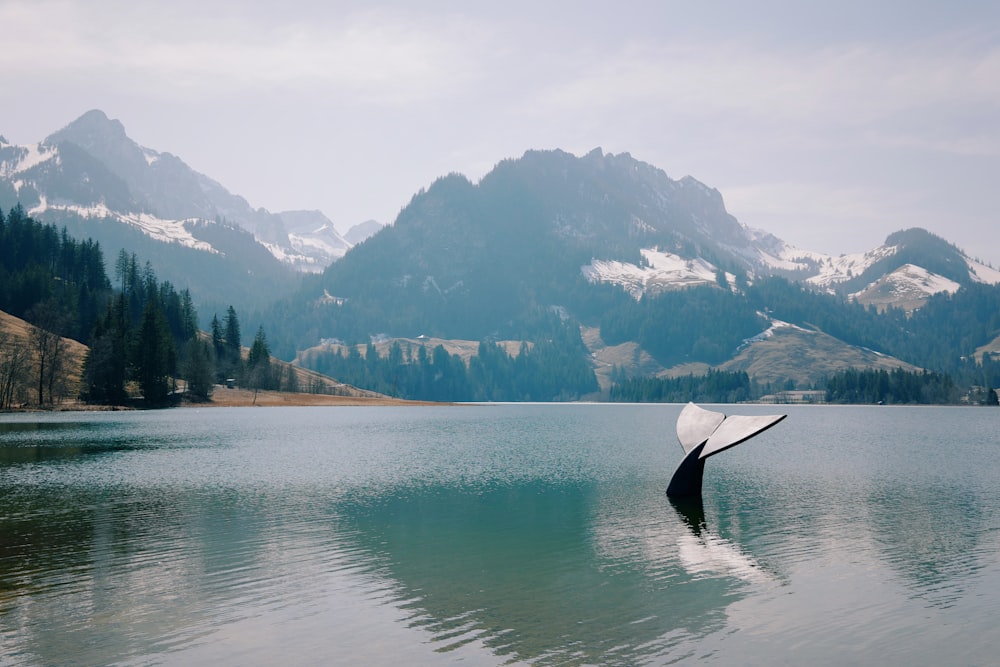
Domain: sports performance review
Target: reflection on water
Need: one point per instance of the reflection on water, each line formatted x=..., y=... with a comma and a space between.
x=48, y=441
x=527, y=570
x=494, y=535
x=703, y=553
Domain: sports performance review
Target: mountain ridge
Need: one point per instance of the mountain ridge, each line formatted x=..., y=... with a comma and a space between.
x=541, y=243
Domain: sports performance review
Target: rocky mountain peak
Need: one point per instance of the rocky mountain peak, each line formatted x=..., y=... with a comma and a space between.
x=93, y=130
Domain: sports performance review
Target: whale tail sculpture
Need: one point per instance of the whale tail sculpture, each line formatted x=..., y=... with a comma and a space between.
x=703, y=433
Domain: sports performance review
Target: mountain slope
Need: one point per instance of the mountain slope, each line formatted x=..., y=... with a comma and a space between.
x=16, y=333
x=362, y=231
x=92, y=178
x=468, y=260
x=803, y=356
x=162, y=183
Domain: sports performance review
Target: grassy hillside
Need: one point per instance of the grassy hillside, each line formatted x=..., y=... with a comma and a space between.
x=17, y=332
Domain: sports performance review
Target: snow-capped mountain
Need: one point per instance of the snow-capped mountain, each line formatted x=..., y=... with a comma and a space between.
x=908, y=268
x=828, y=271
x=907, y=287
x=903, y=272
x=653, y=271
x=93, y=170
x=314, y=240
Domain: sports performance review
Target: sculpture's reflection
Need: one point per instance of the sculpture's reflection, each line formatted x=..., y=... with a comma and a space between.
x=703, y=553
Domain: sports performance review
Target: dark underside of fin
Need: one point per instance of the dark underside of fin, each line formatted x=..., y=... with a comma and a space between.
x=686, y=481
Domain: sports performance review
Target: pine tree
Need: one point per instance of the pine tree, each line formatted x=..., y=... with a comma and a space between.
x=232, y=350
x=259, y=364
x=155, y=355
x=199, y=369
x=105, y=364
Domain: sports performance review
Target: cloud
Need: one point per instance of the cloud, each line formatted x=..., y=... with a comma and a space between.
x=849, y=84
x=397, y=57
x=766, y=199
x=368, y=56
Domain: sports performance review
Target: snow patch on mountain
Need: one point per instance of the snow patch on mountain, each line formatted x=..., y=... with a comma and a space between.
x=310, y=251
x=770, y=331
x=25, y=158
x=168, y=231
x=313, y=240
x=910, y=278
x=982, y=273
x=907, y=287
x=315, y=243
x=845, y=267
x=821, y=269
x=790, y=259
x=662, y=271
x=773, y=254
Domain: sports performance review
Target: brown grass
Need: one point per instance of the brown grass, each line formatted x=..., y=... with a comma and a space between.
x=75, y=351
x=229, y=398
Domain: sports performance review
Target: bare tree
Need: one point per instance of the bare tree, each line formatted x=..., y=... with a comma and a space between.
x=15, y=365
x=47, y=346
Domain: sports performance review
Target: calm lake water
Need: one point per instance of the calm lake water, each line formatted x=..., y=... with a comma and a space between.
x=500, y=534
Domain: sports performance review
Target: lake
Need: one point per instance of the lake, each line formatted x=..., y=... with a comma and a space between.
x=497, y=534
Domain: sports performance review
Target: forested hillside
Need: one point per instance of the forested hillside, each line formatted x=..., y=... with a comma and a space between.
x=553, y=370
x=942, y=336
x=138, y=333
x=49, y=278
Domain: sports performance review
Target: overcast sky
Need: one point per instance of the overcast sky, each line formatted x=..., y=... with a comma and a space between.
x=830, y=126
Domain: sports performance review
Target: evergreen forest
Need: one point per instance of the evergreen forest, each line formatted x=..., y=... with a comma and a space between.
x=553, y=370
x=142, y=333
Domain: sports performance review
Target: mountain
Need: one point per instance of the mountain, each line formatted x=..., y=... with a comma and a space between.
x=95, y=180
x=362, y=231
x=782, y=353
x=904, y=272
x=653, y=274
x=534, y=229
x=471, y=259
x=313, y=239
x=602, y=258
x=161, y=183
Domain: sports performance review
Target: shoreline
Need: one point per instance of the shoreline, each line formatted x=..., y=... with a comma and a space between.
x=240, y=398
